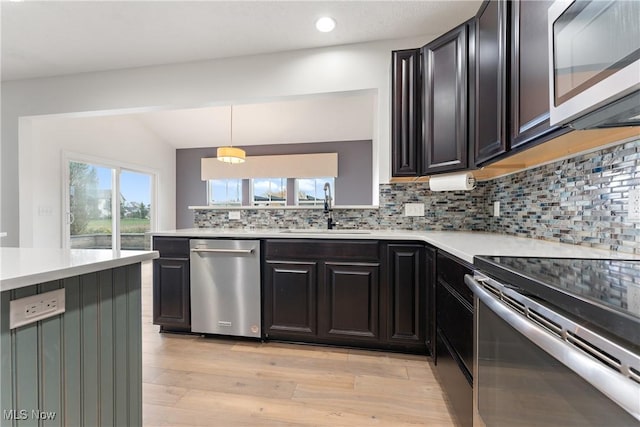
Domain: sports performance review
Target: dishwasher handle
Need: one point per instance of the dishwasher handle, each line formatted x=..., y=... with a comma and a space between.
x=223, y=251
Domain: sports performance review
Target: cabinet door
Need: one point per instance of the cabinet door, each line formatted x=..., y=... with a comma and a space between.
x=406, y=121
x=430, y=300
x=290, y=299
x=530, y=73
x=490, y=99
x=171, y=300
x=350, y=306
x=445, y=103
x=406, y=320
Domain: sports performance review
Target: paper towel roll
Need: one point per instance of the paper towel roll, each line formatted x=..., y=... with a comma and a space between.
x=453, y=182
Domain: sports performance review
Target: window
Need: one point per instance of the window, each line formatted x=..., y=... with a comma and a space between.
x=108, y=206
x=225, y=192
x=269, y=191
x=310, y=191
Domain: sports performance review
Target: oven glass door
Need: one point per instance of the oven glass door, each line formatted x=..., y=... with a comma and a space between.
x=592, y=40
x=519, y=384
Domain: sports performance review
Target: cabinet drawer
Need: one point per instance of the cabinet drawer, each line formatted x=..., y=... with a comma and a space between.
x=172, y=247
x=455, y=321
x=455, y=382
x=452, y=273
x=338, y=250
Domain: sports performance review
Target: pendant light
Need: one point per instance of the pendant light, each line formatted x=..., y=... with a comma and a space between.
x=231, y=154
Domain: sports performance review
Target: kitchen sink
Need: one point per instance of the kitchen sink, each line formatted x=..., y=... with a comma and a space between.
x=323, y=231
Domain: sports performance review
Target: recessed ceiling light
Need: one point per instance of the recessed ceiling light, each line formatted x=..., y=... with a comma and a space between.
x=325, y=24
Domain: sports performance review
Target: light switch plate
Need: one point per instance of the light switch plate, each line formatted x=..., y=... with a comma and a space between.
x=414, y=209
x=45, y=211
x=496, y=208
x=35, y=307
x=234, y=214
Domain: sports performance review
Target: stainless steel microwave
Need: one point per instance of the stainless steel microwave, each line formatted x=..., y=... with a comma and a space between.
x=594, y=63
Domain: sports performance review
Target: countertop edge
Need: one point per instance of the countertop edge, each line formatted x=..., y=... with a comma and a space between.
x=461, y=244
x=23, y=281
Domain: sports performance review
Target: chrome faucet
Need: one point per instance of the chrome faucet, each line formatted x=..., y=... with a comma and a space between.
x=327, y=205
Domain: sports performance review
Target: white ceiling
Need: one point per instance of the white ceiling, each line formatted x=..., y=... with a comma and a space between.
x=321, y=118
x=49, y=38
x=46, y=38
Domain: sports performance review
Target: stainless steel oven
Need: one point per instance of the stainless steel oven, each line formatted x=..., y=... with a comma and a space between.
x=535, y=366
x=594, y=63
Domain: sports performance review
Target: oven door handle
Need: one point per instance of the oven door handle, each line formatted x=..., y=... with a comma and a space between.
x=620, y=389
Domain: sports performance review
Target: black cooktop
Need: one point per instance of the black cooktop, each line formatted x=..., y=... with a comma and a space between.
x=604, y=293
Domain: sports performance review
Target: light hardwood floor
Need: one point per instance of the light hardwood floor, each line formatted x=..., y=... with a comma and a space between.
x=194, y=381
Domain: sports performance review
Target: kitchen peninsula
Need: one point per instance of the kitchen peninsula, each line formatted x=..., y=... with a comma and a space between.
x=83, y=366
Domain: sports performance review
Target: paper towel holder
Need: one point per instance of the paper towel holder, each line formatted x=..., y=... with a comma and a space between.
x=453, y=182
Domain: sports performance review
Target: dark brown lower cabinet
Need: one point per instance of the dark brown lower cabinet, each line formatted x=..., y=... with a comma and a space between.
x=171, y=293
x=171, y=285
x=405, y=296
x=351, y=295
x=290, y=290
x=454, y=336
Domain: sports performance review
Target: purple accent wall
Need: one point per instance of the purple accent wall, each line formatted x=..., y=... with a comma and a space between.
x=353, y=184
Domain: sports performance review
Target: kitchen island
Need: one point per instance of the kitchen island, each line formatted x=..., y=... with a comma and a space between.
x=81, y=367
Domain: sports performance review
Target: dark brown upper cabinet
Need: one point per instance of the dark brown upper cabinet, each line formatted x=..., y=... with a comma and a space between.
x=406, y=121
x=445, y=74
x=491, y=81
x=530, y=74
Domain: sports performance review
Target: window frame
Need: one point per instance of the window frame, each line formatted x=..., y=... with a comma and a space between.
x=317, y=202
x=270, y=202
x=226, y=202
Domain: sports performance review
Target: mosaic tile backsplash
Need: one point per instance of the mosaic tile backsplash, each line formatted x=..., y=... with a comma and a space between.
x=583, y=200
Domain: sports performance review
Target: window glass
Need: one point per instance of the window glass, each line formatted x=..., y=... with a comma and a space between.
x=310, y=191
x=269, y=191
x=225, y=192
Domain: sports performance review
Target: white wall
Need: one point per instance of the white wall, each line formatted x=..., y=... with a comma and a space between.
x=241, y=79
x=118, y=141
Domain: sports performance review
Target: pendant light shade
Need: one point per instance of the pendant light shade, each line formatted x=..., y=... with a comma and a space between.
x=231, y=154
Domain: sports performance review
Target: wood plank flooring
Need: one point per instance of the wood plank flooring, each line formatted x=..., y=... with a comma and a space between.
x=194, y=381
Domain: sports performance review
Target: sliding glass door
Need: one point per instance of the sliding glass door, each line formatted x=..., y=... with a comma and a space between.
x=108, y=207
x=135, y=209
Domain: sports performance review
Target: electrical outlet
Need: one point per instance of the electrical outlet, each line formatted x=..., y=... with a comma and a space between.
x=496, y=208
x=634, y=204
x=35, y=307
x=234, y=214
x=414, y=209
x=633, y=298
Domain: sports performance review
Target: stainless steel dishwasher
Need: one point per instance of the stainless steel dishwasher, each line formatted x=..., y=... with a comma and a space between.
x=225, y=287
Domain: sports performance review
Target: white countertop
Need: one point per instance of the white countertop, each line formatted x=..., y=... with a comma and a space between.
x=462, y=244
x=20, y=267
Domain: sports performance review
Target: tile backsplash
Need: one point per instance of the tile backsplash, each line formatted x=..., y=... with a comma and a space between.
x=583, y=200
